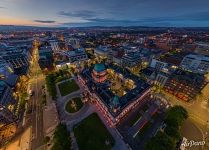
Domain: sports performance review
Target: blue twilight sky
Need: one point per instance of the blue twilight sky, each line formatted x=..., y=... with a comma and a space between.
x=105, y=12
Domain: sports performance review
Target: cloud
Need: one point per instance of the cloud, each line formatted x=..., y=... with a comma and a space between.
x=191, y=19
x=105, y=22
x=198, y=16
x=84, y=14
x=1, y=7
x=45, y=21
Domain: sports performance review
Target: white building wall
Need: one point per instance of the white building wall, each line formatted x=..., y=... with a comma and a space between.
x=195, y=63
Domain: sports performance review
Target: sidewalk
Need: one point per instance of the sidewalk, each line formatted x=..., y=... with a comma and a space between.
x=50, y=116
x=22, y=144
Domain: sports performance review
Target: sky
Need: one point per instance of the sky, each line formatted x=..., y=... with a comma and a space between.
x=70, y=13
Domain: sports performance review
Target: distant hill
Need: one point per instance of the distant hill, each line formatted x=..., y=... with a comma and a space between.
x=138, y=28
x=24, y=28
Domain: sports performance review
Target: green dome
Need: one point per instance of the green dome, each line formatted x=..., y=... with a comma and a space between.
x=116, y=101
x=99, y=67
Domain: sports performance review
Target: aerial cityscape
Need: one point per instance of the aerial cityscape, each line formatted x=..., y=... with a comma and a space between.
x=104, y=75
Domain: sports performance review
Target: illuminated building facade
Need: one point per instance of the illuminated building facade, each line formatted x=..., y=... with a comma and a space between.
x=196, y=63
x=54, y=45
x=7, y=132
x=76, y=55
x=6, y=97
x=185, y=85
x=18, y=60
x=131, y=59
x=5, y=69
x=113, y=107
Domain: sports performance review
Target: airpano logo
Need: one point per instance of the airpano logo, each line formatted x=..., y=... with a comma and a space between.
x=192, y=143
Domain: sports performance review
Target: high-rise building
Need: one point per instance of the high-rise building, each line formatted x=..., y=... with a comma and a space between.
x=6, y=116
x=202, y=48
x=196, y=63
x=185, y=85
x=45, y=57
x=131, y=59
x=54, y=45
x=6, y=95
x=5, y=69
x=18, y=59
x=73, y=42
x=77, y=55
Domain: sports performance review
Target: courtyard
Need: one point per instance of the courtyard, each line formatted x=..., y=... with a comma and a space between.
x=119, y=85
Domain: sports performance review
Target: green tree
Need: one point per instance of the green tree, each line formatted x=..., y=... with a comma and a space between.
x=167, y=140
x=61, y=139
x=51, y=87
x=177, y=113
x=160, y=142
x=173, y=132
x=46, y=139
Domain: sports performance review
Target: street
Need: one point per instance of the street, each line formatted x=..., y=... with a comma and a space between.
x=198, y=112
x=37, y=81
x=195, y=109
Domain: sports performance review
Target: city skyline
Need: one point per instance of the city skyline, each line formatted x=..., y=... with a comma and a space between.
x=70, y=13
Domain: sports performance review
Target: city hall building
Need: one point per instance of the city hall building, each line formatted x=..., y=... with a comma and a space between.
x=99, y=88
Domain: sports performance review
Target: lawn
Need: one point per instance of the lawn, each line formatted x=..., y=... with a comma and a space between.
x=72, y=108
x=68, y=87
x=134, y=119
x=91, y=134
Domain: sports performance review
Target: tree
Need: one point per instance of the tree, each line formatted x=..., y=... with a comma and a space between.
x=46, y=139
x=177, y=113
x=61, y=138
x=160, y=142
x=50, y=83
x=171, y=121
x=167, y=140
x=174, y=119
x=173, y=132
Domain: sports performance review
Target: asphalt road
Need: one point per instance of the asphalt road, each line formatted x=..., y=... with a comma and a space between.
x=37, y=81
x=198, y=112
x=195, y=108
x=191, y=132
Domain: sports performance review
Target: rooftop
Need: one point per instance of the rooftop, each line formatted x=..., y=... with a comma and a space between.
x=110, y=99
x=99, y=67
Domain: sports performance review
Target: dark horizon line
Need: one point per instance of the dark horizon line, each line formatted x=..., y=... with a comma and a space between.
x=104, y=26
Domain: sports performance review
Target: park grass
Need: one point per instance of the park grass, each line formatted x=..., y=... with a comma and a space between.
x=68, y=87
x=91, y=134
x=78, y=102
